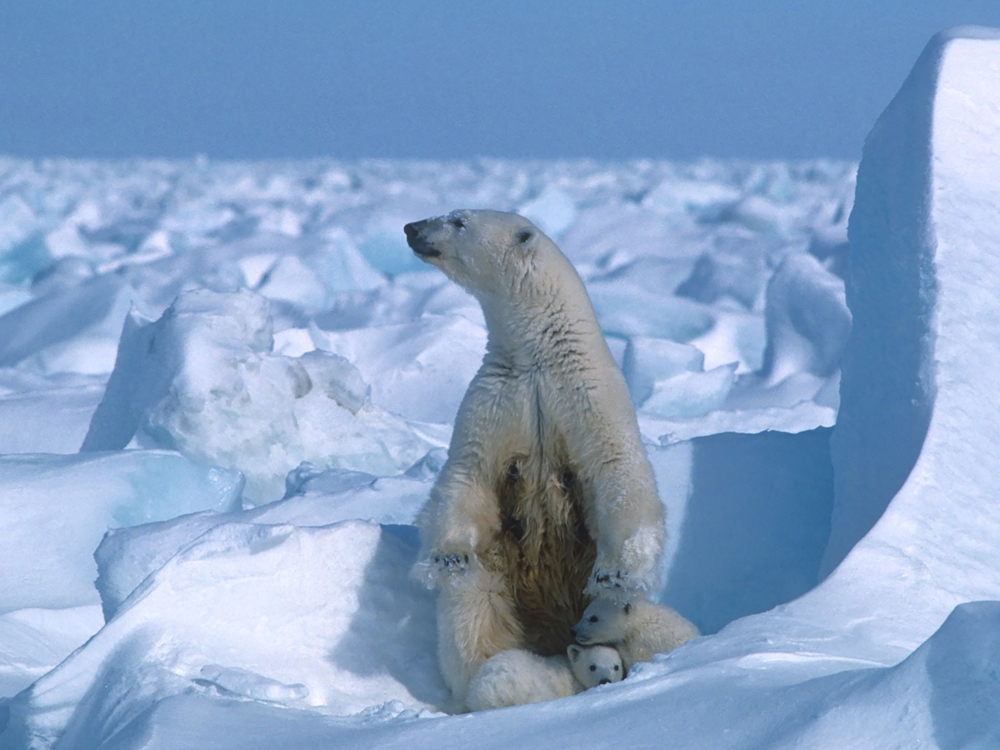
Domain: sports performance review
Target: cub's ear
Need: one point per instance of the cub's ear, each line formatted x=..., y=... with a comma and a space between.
x=574, y=653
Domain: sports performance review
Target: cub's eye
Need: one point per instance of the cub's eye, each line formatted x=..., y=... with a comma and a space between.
x=593, y=618
x=457, y=223
x=593, y=667
x=524, y=235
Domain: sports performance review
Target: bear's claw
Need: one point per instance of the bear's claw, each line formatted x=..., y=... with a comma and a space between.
x=452, y=563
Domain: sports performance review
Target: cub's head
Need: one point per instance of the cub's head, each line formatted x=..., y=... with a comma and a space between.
x=485, y=252
x=596, y=665
x=603, y=622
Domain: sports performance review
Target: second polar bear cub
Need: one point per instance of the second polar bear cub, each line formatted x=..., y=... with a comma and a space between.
x=515, y=677
x=637, y=630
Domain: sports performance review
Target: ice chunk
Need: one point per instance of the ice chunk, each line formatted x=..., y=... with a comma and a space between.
x=420, y=370
x=690, y=394
x=648, y=360
x=58, y=317
x=807, y=319
x=24, y=260
x=341, y=266
x=57, y=508
x=17, y=223
x=247, y=684
x=736, y=267
x=552, y=211
x=202, y=379
x=656, y=275
x=629, y=311
x=736, y=337
x=291, y=280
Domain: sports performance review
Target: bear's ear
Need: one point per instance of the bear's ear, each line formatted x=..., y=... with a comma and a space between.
x=573, y=652
x=628, y=608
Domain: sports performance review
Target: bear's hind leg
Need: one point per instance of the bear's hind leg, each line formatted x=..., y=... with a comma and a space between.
x=475, y=620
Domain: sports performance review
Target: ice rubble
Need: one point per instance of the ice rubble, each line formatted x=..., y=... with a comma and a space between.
x=203, y=380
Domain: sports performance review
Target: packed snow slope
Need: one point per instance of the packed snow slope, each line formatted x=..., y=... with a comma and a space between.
x=263, y=380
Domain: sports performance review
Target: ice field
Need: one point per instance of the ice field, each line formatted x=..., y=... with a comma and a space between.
x=226, y=389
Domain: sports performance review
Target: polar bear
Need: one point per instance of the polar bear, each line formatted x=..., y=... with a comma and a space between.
x=516, y=677
x=637, y=629
x=547, y=498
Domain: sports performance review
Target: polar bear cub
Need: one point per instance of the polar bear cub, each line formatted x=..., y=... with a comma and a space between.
x=637, y=629
x=516, y=676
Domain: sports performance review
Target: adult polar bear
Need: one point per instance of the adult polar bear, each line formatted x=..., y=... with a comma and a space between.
x=547, y=499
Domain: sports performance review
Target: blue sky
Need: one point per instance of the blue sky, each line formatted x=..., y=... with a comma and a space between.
x=448, y=79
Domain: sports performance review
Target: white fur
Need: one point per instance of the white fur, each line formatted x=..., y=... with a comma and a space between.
x=515, y=677
x=546, y=363
x=638, y=630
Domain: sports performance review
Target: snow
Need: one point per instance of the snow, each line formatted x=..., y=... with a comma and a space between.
x=264, y=381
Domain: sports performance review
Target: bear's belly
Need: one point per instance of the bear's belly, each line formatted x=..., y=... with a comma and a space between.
x=543, y=549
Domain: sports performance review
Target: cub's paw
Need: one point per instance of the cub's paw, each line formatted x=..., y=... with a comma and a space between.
x=456, y=563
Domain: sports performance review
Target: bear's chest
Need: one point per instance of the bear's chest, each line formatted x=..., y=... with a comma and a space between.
x=544, y=546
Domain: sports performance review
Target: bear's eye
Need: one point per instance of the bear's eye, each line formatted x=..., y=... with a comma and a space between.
x=593, y=667
x=524, y=235
x=616, y=667
x=593, y=618
x=513, y=472
x=457, y=223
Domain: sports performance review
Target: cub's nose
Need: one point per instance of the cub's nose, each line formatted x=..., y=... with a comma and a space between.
x=605, y=681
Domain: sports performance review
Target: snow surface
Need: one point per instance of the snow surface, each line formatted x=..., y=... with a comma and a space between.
x=263, y=380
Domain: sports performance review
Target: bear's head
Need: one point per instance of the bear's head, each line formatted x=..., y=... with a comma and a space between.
x=488, y=253
x=603, y=621
x=596, y=665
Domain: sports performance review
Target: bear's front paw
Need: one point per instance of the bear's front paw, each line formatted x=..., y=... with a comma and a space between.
x=456, y=563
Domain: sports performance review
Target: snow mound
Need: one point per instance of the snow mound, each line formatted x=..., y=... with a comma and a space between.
x=203, y=380
x=126, y=556
x=335, y=625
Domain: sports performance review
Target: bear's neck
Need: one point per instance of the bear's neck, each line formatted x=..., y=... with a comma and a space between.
x=543, y=331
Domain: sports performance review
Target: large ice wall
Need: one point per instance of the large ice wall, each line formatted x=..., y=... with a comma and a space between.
x=921, y=374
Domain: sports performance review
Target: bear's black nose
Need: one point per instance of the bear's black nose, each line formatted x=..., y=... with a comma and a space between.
x=417, y=243
x=605, y=681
